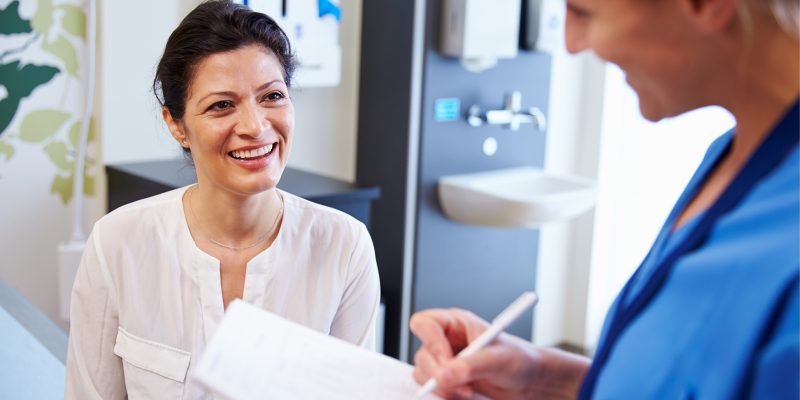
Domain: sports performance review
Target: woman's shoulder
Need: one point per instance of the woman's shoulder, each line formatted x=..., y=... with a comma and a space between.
x=135, y=234
x=306, y=215
x=159, y=208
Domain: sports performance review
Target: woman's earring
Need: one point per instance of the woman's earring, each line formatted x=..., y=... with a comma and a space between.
x=185, y=143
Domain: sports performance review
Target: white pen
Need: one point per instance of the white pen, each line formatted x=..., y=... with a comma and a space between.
x=499, y=324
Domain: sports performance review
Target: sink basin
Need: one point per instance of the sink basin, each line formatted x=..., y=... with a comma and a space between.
x=523, y=197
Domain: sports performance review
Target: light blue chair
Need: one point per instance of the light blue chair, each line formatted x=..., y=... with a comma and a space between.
x=33, y=350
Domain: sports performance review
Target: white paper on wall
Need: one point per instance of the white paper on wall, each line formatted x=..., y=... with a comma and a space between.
x=313, y=30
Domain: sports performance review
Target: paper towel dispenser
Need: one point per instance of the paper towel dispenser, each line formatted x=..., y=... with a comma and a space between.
x=479, y=32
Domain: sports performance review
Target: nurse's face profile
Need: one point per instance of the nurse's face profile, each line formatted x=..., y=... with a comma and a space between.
x=238, y=121
x=656, y=44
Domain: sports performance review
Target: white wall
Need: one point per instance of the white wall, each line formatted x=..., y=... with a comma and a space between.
x=132, y=35
x=571, y=147
x=327, y=118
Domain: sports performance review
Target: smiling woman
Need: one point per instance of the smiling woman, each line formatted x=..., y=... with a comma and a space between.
x=157, y=274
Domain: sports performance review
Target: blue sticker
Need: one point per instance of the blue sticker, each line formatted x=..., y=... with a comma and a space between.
x=326, y=7
x=448, y=109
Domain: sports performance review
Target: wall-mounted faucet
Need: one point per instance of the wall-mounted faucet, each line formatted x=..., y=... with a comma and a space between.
x=512, y=116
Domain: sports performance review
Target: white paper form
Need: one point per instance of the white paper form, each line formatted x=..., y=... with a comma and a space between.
x=257, y=355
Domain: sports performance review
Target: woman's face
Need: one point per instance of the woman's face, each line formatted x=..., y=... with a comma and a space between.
x=654, y=41
x=238, y=121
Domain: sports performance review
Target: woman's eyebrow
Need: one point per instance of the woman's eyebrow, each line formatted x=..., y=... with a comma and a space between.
x=270, y=83
x=224, y=93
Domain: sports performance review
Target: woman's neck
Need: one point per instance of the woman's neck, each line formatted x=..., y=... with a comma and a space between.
x=233, y=219
x=763, y=86
x=768, y=84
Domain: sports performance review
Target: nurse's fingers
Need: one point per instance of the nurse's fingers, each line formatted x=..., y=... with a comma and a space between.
x=430, y=327
x=446, y=332
x=487, y=363
x=442, y=333
x=425, y=367
x=505, y=366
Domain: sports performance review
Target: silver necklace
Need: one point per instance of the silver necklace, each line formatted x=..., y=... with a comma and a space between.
x=235, y=248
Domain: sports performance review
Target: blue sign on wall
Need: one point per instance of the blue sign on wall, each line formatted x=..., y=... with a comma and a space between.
x=447, y=109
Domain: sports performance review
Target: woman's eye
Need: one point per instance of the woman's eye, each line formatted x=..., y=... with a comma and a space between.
x=274, y=96
x=221, y=105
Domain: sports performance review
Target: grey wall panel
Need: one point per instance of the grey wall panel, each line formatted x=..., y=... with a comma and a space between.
x=478, y=268
x=383, y=139
x=481, y=269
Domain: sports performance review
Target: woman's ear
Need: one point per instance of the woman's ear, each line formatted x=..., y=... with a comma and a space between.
x=711, y=15
x=174, y=128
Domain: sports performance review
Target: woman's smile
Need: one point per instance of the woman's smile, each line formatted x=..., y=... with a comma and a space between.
x=254, y=158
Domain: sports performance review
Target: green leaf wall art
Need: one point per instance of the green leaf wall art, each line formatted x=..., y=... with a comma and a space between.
x=40, y=125
x=62, y=48
x=6, y=150
x=11, y=22
x=20, y=82
x=74, y=20
x=56, y=29
x=43, y=17
x=58, y=154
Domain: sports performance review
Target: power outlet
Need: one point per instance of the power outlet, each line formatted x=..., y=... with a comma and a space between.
x=69, y=258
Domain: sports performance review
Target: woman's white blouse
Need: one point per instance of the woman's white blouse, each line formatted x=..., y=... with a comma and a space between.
x=146, y=299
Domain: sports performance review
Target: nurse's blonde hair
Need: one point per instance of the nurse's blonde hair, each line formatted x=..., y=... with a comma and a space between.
x=785, y=12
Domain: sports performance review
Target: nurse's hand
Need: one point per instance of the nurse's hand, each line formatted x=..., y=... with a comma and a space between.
x=509, y=368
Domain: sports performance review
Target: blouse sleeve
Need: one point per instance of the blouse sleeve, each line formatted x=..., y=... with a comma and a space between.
x=93, y=370
x=777, y=365
x=358, y=310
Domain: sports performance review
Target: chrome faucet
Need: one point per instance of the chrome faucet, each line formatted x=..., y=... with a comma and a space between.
x=512, y=116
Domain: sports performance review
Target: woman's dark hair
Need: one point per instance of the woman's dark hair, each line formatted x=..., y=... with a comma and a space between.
x=214, y=27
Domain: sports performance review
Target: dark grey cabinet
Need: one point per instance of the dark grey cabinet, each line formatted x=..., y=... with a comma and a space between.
x=134, y=181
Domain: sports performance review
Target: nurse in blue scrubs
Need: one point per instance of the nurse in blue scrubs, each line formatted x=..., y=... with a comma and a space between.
x=712, y=312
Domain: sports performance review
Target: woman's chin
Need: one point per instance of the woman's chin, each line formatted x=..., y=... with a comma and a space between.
x=257, y=187
x=263, y=183
x=650, y=110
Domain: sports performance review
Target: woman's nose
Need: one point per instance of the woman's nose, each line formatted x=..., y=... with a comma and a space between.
x=252, y=121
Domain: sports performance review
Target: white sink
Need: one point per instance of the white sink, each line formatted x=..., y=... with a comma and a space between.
x=524, y=197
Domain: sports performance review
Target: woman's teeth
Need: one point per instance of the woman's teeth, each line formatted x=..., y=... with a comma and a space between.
x=253, y=153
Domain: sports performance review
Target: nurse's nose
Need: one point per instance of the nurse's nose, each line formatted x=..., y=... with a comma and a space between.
x=253, y=121
x=575, y=35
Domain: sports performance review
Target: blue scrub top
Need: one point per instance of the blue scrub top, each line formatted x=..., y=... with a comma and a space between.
x=725, y=323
